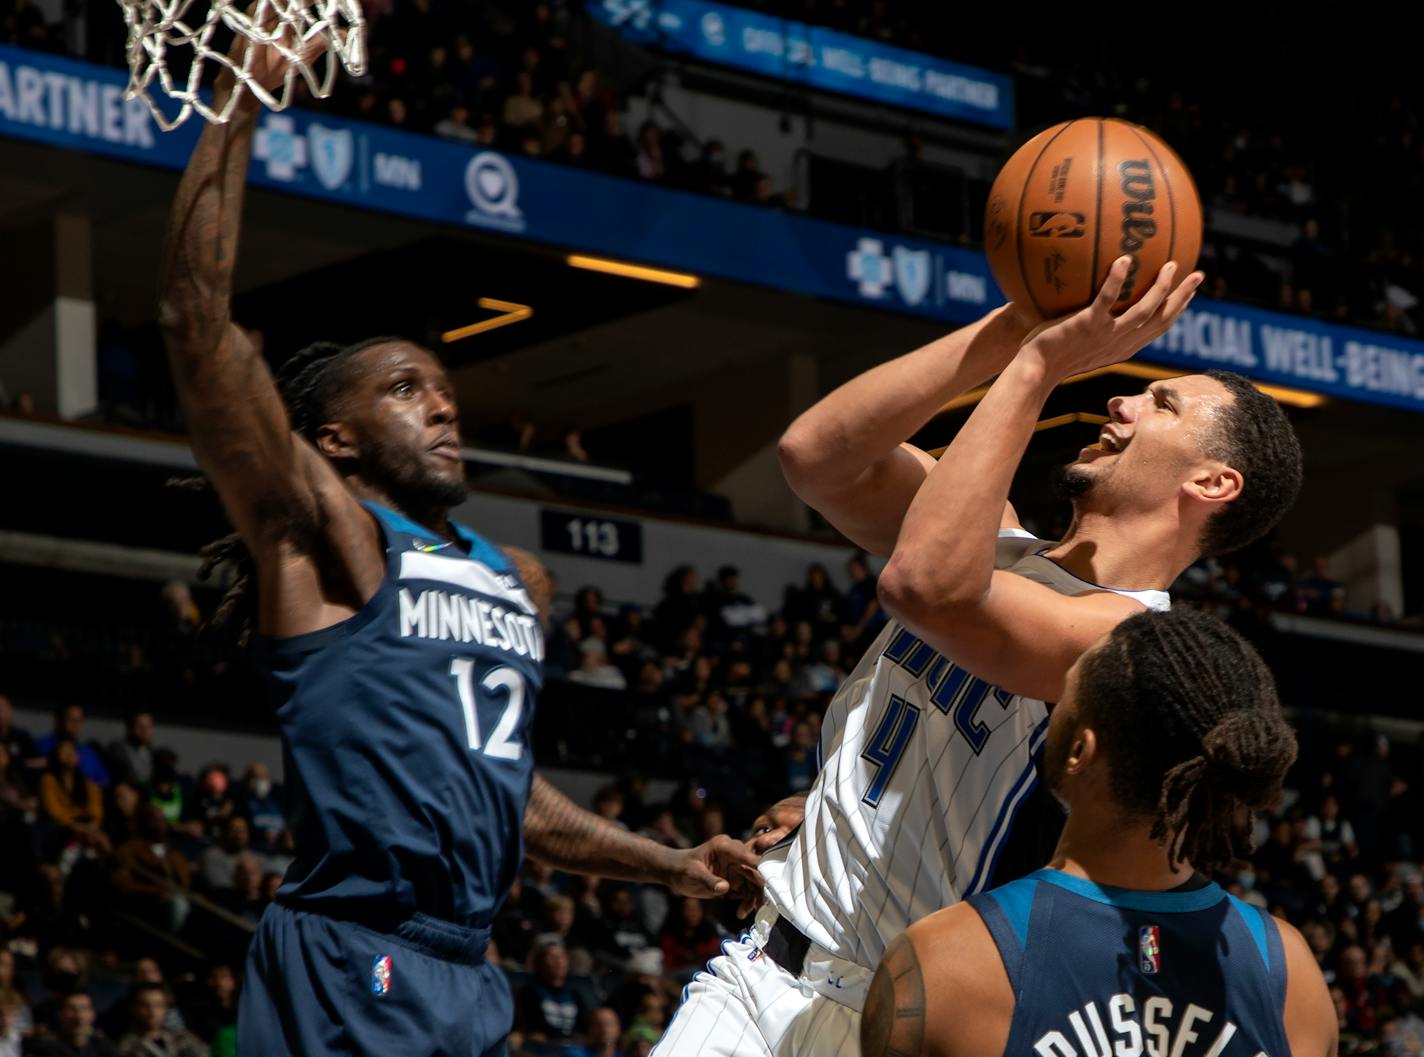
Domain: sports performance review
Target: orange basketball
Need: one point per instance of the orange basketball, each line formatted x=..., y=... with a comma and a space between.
x=1080, y=195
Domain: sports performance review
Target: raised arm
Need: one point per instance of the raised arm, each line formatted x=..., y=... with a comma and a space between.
x=941, y=580
x=278, y=491
x=564, y=835
x=847, y=457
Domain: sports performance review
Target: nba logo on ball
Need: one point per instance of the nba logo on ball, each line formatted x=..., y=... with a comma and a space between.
x=493, y=187
x=1149, y=949
x=381, y=975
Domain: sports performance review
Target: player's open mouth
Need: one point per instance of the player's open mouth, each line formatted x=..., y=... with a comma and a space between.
x=1110, y=442
x=448, y=449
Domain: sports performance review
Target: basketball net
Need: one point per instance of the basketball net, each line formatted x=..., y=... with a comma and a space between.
x=299, y=30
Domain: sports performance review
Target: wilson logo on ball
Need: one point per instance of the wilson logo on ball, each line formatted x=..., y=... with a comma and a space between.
x=1057, y=225
x=1138, y=226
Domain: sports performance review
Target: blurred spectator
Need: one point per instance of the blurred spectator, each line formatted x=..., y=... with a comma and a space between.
x=863, y=617
x=70, y=801
x=169, y=791
x=74, y=1032
x=602, y=1037
x=151, y=879
x=148, y=1035
x=131, y=757
x=121, y=812
x=21, y=747
x=258, y=801
x=20, y=1021
x=746, y=177
x=548, y=1008
x=214, y=802
x=594, y=669
x=219, y=860
x=522, y=110
x=456, y=124
x=212, y=1015
x=651, y=164
x=689, y=939
x=709, y=172
x=11, y=1034
x=801, y=765
x=817, y=602
x=69, y=726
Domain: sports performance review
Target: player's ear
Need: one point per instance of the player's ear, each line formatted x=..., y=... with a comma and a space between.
x=1214, y=483
x=336, y=440
x=1083, y=751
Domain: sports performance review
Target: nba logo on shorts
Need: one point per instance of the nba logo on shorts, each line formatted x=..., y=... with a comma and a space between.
x=1149, y=949
x=381, y=975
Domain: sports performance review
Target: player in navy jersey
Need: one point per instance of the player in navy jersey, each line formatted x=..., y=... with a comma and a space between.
x=404, y=654
x=1168, y=736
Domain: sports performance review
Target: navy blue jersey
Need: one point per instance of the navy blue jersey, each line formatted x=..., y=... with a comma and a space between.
x=405, y=735
x=1101, y=971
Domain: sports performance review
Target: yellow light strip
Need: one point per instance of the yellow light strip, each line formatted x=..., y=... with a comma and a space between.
x=512, y=313
x=1132, y=369
x=635, y=271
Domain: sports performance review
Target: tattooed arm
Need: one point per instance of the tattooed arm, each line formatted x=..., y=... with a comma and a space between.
x=564, y=835
x=281, y=495
x=950, y=956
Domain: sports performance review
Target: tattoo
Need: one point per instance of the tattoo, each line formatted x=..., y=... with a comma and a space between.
x=564, y=835
x=893, y=1022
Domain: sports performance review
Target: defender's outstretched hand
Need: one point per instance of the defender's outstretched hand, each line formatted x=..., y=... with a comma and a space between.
x=719, y=867
x=1094, y=337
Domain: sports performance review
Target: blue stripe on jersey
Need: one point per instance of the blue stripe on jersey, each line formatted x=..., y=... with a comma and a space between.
x=1016, y=901
x=1008, y=811
x=1256, y=924
x=1127, y=899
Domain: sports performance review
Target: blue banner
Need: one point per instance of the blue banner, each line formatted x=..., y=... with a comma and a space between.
x=76, y=106
x=816, y=57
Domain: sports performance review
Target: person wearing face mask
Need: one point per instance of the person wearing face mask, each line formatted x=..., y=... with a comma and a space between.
x=261, y=802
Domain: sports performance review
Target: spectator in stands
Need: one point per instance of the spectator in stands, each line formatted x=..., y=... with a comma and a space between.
x=549, y=1009
x=625, y=927
x=11, y=999
x=151, y=879
x=824, y=675
x=746, y=177
x=602, y=1036
x=216, y=866
x=259, y=802
x=651, y=163
x=72, y=803
x=863, y=618
x=689, y=938
x=146, y=973
x=800, y=757
x=169, y=791
x=149, y=1035
x=65, y=972
x=23, y=751
x=11, y=1034
x=610, y=151
x=214, y=803
x=456, y=124
x=817, y=602
x=131, y=757
x=594, y=669
x=74, y=1032
x=681, y=605
x=709, y=172
x=212, y=1016
x=121, y=812
x=69, y=726
x=522, y=110
x=709, y=728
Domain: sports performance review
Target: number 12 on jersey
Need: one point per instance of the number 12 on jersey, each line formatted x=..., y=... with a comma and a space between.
x=887, y=745
x=503, y=742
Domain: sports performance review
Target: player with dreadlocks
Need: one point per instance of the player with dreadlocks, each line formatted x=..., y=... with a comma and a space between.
x=1168, y=737
x=404, y=653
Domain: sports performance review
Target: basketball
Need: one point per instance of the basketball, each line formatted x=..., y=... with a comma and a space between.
x=1078, y=196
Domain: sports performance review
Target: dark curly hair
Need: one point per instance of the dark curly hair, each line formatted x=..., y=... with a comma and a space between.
x=1255, y=437
x=311, y=383
x=1187, y=715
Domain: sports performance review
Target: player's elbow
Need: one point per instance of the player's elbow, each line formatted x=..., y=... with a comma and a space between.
x=797, y=453
x=913, y=592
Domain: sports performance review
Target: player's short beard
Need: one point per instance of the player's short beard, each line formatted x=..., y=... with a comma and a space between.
x=1072, y=482
x=409, y=483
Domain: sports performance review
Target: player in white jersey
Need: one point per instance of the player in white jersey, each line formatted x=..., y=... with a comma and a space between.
x=929, y=748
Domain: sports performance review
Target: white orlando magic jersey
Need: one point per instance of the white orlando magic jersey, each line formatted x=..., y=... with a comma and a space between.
x=925, y=767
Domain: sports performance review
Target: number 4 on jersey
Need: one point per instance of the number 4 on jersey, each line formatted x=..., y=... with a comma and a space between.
x=887, y=745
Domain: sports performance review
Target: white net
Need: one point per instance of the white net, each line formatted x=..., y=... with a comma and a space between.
x=312, y=37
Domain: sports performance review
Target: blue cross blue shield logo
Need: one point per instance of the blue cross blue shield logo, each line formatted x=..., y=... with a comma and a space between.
x=912, y=274
x=332, y=152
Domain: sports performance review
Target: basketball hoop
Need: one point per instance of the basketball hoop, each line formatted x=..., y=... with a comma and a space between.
x=292, y=27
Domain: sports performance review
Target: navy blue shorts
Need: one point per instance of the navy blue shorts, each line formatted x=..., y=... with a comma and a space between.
x=316, y=985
